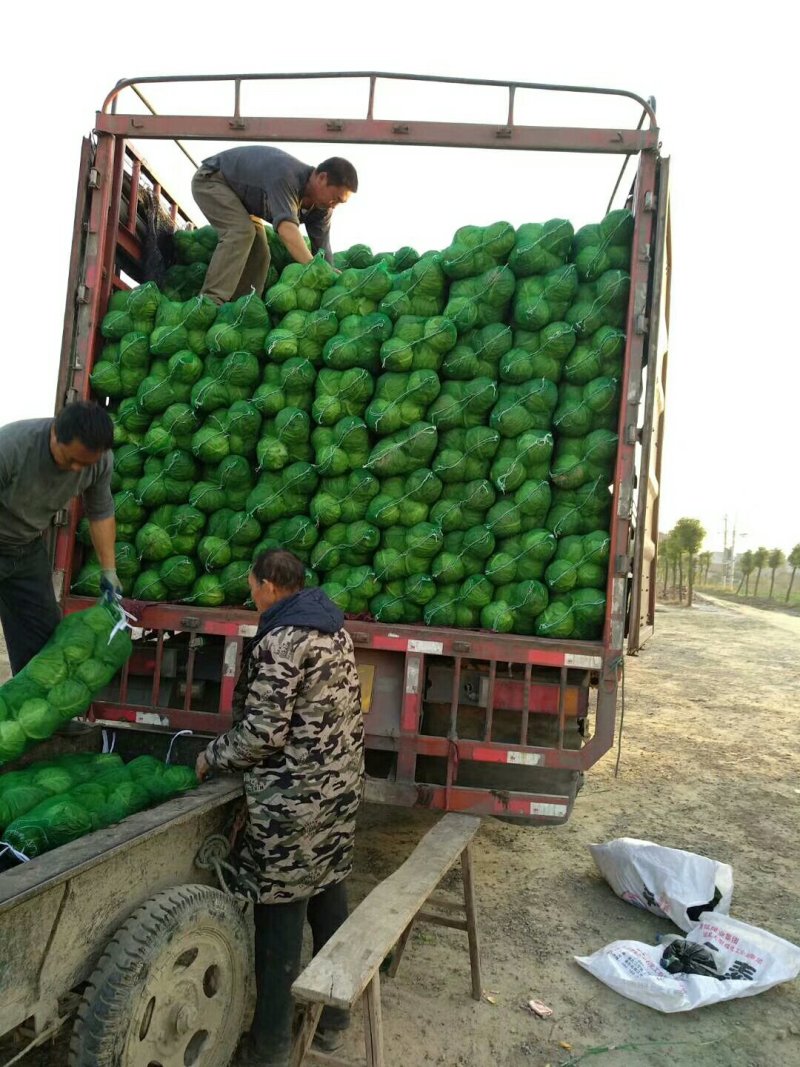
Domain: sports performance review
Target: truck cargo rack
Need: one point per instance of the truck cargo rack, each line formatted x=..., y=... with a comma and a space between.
x=455, y=720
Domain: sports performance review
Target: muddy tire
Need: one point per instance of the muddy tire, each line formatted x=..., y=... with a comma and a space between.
x=171, y=987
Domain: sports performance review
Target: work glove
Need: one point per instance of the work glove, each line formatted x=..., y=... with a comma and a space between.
x=110, y=586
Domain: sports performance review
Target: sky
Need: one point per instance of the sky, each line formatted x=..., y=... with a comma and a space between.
x=723, y=86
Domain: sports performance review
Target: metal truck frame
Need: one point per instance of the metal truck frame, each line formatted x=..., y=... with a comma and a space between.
x=455, y=720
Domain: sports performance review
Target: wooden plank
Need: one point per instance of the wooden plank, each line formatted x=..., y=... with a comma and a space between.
x=373, y=1023
x=472, y=922
x=339, y=973
x=441, y=920
x=308, y=1028
x=399, y=949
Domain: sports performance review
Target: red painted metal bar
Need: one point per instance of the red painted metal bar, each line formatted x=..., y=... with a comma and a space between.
x=476, y=644
x=87, y=335
x=114, y=229
x=612, y=141
x=410, y=716
x=65, y=366
x=562, y=710
x=231, y=665
x=187, y=696
x=494, y=752
x=526, y=705
x=486, y=802
x=487, y=730
x=156, y=690
x=136, y=172
x=199, y=721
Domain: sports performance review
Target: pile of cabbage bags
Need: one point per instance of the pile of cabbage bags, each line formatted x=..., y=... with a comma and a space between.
x=81, y=658
x=433, y=435
x=48, y=804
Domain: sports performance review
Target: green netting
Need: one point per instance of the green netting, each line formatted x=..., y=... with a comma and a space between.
x=357, y=401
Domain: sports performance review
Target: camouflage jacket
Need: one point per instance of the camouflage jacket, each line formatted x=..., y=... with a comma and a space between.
x=298, y=736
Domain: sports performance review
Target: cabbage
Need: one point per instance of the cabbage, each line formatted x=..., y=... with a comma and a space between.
x=475, y=249
x=69, y=699
x=540, y=247
x=178, y=573
x=12, y=741
x=207, y=591
x=556, y=620
x=38, y=719
x=498, y=616
x=153, y=543
x=95, y=674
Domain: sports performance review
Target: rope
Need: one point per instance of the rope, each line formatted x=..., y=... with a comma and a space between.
x=14, y=852
x=180, y=733
x=621, y=718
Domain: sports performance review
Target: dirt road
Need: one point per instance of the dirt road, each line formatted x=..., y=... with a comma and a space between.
x=710, y=763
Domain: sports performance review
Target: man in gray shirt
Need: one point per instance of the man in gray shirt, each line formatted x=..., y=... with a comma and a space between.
x=44, y=463
x=239, y=187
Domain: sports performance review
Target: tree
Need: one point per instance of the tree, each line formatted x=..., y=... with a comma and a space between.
x=690, y=535
x=748, y=566
x=670, y=552
x=776, y=559
x=760, y=557
x=704, y=559
x=794, y=563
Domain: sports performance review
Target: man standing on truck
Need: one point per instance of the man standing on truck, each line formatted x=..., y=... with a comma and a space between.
x=298, y=736
x=43, y=464
x=239, y=187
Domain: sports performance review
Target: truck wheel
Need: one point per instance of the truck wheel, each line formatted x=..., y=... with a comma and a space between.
x=171, y=987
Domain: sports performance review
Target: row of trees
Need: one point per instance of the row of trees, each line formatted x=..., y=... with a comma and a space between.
x=683, y=562
x=681, y=547
x=756, y=561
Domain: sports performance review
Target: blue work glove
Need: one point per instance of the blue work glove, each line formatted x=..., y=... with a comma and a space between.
x=110, y=586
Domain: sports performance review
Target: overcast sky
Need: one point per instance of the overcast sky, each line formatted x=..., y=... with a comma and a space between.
x=724, y=88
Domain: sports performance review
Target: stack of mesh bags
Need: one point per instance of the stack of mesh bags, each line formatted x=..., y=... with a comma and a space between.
x=81, y=658
x=433, y=435
x=50, y=803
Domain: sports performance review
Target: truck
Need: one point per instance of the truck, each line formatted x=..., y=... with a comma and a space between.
x=455, y=720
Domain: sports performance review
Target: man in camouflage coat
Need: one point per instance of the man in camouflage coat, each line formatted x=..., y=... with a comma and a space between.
x=298, y=737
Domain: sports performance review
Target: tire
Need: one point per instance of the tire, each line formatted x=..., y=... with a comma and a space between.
x=170, y=990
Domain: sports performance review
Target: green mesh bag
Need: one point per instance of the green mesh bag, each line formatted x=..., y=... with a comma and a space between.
x=482, y=300
x=358, y=342
x=341, y=393
x=418, y=343
x=520, y=408
x=540, y=247
x=404, y=452
x=400, y=400
x=478, y=353
x=341, y=448
x=462, y=405
x=540, y=300
x=603, y=247
x=476, y=249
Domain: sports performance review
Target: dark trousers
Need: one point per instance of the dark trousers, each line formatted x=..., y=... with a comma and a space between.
x=28, y=609
x=279, y=942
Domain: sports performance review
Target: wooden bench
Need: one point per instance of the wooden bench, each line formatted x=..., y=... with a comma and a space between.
x=347, y=967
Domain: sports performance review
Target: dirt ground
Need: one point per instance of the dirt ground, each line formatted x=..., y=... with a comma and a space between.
x=710, y=764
